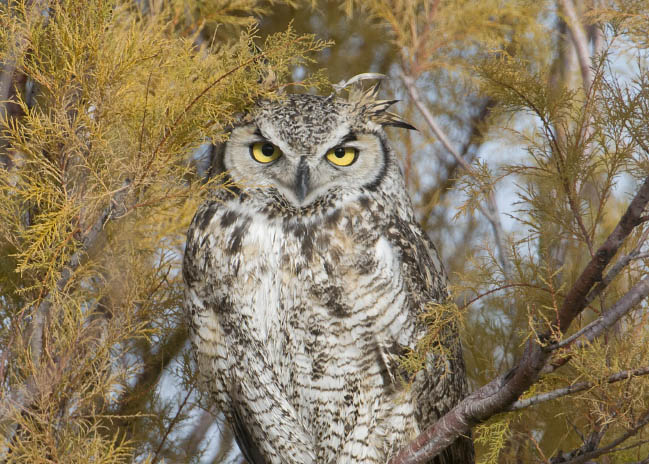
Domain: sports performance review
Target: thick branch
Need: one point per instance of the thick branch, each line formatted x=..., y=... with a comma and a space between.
x=497, y=395
x=575, y=301
x=488, y=400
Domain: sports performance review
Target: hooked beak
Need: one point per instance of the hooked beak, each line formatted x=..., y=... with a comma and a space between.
x=302, y=180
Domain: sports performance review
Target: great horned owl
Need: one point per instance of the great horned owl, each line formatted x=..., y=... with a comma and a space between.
x=305, y=280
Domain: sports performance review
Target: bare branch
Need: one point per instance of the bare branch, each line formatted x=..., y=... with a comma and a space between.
x=613, y=272
x=172, y=424
x=575, y=301
x=491, y=212
x=574, y=388
x=619, y=309
x=617, y=268
x=580, y=41
x=587, y=456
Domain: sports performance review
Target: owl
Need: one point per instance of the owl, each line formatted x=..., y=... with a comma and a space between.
x=306, y=277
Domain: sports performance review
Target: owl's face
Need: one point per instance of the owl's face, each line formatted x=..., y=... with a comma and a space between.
x=305, y=146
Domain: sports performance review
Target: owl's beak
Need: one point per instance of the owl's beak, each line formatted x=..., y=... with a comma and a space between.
x=302, y=180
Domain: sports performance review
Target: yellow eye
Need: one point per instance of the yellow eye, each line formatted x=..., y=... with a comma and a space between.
x=264, y=152
x=342, y=156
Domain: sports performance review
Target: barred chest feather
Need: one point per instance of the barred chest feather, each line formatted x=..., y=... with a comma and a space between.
x=323, y=296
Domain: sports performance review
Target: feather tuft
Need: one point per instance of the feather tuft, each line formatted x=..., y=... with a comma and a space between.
x=368, y=104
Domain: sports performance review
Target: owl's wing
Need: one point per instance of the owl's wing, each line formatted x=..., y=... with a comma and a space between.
x=442, y=383
x=246, y=444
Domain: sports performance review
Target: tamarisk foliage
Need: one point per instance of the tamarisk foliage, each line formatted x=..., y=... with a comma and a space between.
x=529, y=171
x=97, y=187
x=554, y=306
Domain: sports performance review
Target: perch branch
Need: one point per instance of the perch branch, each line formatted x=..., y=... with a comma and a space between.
x=497, y=395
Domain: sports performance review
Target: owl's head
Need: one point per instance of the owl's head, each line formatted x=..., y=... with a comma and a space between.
x=305, y=146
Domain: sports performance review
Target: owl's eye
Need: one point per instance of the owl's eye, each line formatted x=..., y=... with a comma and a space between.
x=264, y=152
x=342, y=156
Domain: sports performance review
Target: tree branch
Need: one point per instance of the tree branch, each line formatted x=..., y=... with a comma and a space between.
x=23, y=395
x=574, y=388
x=606, y=320
x=171, y=425
x=584, y=457
x=497, y=395
x=619, y=309
x=617, y=268
x=491, y=212
x=450, y=168
x=580, y=41
x=575, y=301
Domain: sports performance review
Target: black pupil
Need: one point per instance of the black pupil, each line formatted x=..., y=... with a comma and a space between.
x=339, y=152
x=268, y=149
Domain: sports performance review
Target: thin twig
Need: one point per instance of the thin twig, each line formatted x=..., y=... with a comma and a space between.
x=491, y=212
x=505, y=287
x=585, y=457
x=538, y=448
x=574, y=388
x=172, y=424
x=466, y=153
x=146, y=100
x=190, y=105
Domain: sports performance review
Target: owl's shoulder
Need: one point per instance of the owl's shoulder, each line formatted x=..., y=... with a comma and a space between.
x=423, y=270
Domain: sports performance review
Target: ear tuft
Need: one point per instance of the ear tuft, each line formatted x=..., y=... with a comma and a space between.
x=367, y=103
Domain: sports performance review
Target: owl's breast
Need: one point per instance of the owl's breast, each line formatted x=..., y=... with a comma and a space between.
x=334, y=271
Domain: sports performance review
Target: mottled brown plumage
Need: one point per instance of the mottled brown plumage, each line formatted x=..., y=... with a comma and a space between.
x=305, y=285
